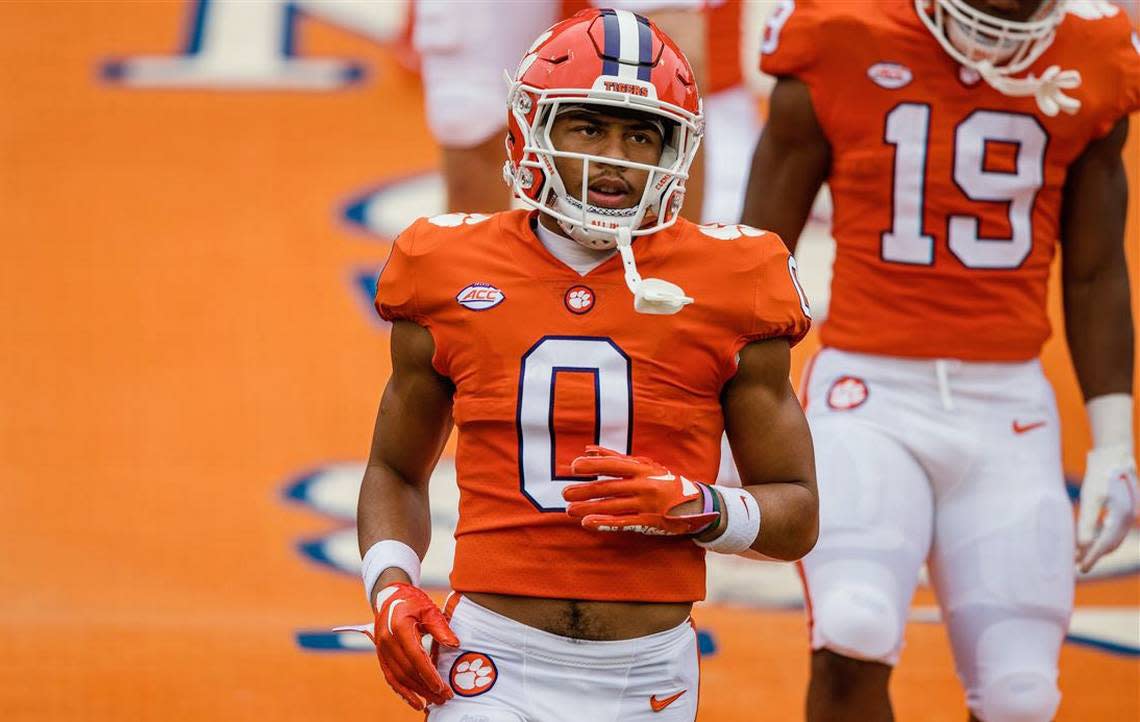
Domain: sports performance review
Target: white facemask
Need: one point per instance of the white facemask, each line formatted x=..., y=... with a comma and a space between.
x=998, y=49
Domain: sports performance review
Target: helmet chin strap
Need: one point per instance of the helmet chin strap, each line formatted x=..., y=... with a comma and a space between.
x=650, y=295
x=1047, y=89
x=593, y=240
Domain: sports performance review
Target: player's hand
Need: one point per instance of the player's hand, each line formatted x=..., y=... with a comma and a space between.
x=403, y=614
x=643, y=496
x=1109, y=503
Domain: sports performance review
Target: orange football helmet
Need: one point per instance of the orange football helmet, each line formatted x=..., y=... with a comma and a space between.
x=604, y=59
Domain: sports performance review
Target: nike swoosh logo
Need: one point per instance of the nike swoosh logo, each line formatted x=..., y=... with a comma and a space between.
x=660, y=704
x=1019, y=428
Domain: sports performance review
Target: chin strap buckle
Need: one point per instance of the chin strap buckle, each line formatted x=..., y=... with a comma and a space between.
x=650, y=295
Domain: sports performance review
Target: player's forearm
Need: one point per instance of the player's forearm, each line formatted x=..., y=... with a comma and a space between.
x=1098, y=314
x=412, y=426
x=1098, y=326
x=772, y=447
x=392, y=508
x=789, y=519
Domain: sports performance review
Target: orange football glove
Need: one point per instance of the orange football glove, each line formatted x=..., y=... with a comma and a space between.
x=640, y=498
x=403, y=614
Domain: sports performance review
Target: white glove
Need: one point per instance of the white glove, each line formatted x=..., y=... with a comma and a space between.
x=1109, y=485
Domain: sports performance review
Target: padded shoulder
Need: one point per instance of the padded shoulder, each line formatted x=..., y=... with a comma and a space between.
x=800, y=37
x=1110, y=77
x=760, y=296
x=419, y=257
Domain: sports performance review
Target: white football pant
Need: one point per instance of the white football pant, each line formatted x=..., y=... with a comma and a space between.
x=506, y=671
x=957, y=464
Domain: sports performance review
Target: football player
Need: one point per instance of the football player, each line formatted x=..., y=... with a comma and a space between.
x=965, y=142
x=589, y=400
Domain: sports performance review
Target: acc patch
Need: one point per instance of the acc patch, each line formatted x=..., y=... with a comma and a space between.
x=848, y=392
x=480, y=297
x=579, y=299
x=472, y=674
x=891, y=76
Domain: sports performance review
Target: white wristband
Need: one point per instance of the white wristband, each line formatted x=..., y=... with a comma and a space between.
x=387, y=554
x=1110, y=419
x=742, y=525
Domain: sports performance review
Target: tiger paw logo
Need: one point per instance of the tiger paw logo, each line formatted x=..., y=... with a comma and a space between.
x=847, y=393
x=724, y=232
x=579, y=299
x=454, y=220
x=472, y=674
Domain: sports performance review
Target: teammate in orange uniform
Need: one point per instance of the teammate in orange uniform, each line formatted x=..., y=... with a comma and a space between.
x=961, y=139
x=578, y=558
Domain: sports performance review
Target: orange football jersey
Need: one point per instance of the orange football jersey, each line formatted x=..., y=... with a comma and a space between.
x=947, y=194
x=546, y=361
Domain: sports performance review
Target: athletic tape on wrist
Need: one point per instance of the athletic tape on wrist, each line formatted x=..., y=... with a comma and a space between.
x=707, y=499
x=742, y=525
x=387, y=554
x=1110, y=419
x=711, y=504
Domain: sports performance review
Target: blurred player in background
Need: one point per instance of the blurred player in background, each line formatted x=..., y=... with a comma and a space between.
x=574, y=577
x=961, y=140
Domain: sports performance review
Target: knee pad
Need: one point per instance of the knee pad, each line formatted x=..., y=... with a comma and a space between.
x=858, y=621
x=1030, y=696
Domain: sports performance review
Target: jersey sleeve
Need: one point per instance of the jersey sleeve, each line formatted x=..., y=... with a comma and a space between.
x=396, y=298
x=1120, y=85
x=811, y=41
x=762, y=299
x=789, y=46
x=780, y=307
